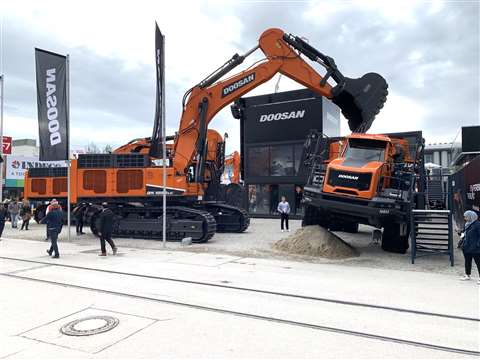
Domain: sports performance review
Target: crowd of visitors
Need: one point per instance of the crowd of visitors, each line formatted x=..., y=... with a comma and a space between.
x=15, y=211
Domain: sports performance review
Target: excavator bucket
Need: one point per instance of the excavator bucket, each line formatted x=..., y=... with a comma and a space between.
x=361, y=100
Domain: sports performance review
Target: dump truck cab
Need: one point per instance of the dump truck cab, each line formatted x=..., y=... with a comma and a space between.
x=364, y=166
x=361, y=179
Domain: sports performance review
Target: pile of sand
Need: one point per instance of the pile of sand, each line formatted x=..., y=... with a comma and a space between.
x=316, y=241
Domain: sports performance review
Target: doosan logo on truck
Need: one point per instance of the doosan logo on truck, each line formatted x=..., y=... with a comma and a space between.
x=52, y=111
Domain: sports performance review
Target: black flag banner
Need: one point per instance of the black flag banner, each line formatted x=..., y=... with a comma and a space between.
x=52, y=103
x=156, y=141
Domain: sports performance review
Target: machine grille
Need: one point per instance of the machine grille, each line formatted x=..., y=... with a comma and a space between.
x=352, y=180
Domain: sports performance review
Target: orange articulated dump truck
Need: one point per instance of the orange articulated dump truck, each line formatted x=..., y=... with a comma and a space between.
x=365, y=179
x=130, y=180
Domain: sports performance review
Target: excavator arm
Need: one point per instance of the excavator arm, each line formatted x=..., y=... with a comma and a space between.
x=359, y=99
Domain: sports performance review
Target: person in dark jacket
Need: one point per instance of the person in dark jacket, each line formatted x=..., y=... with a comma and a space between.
x=106, y=227
x=471, y=243
x=79, y=213
x=3, y=217
x=54, y=221
x=26, y=214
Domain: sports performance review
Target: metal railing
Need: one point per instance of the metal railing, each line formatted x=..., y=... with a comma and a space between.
x=431, y=234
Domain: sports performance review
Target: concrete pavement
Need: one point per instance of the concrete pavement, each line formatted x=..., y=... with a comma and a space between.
x=32, y=312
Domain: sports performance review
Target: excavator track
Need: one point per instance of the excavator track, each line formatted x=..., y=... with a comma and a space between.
x=229, y=218
x=146, y=222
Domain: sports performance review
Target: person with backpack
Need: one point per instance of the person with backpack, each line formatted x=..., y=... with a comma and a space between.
x=471, y=243
x=106, y=228
x=54, y=221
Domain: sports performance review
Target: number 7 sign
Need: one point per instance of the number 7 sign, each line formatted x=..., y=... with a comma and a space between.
x=7, y=145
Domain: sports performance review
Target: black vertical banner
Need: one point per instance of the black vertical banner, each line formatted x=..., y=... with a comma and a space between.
x=156, y=142
x=51, y=73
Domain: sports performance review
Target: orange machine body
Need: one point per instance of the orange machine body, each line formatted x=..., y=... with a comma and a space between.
x=232, y=167
x=380, y=170
x=111, y=182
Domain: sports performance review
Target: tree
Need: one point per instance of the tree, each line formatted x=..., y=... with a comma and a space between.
x=93, y=148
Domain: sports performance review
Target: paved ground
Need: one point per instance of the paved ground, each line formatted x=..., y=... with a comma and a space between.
x=257, y=242
x=38, y=297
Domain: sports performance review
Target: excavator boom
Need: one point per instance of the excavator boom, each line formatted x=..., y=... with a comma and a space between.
x=359, y=99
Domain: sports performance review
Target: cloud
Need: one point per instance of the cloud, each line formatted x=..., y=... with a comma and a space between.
x=427, y=51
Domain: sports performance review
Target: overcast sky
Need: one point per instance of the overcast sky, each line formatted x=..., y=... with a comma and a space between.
x=427, y=51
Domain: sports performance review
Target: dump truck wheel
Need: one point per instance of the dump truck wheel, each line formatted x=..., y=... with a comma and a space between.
x=311, y=216
x=392, y=241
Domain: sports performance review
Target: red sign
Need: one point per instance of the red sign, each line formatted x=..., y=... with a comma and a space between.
x=7, y=145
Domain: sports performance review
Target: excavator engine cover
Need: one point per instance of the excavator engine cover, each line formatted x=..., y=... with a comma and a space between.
x=361, y=99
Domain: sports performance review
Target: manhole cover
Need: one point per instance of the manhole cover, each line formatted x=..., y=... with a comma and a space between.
x=89, y=326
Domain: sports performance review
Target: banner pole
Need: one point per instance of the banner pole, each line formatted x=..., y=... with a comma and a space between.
x=67, y=76
x=1, y=136
x=164, y=153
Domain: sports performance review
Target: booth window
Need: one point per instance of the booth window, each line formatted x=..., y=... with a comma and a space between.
x=281, y=160
x=298, y=149
x=262, y=198
x=258, y=159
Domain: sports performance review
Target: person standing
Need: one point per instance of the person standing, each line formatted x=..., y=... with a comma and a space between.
x=284, y=209
x=54, y=221
x=51, y=204
x=471, y=243
x=3, y=217
x=14, y=209
x=79, y=213
x=106, y=227
x=298, y=199
x=26, y=214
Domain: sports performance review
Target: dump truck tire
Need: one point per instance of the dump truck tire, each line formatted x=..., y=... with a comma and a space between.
x=392, y=241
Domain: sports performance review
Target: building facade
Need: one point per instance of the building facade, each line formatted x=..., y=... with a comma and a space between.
x=24, y=156
x=439, y=154
x=274, y=128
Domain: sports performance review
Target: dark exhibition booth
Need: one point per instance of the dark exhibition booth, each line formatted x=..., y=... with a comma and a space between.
x=273, y=130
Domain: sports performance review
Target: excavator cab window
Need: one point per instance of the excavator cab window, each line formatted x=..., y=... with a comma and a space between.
x=362, y=151
x=191, y=174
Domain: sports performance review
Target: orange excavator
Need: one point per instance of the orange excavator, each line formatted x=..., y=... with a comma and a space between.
x=232, y=168
x=131, y=182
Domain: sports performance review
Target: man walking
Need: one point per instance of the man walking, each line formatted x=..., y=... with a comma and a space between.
x=14, y=209
x=54, y=221
x=284, y=209
x=106, y=227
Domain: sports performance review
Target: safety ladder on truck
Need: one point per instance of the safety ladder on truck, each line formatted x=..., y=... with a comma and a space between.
x=431, y=233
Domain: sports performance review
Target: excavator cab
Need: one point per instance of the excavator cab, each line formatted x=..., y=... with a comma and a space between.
x=358, y=99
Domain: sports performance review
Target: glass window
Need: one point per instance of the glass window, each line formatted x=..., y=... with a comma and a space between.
x=260, y=199
x=258, y=161
x=428, y=158
x=281, y=163
x=365, y=150
x=298, y=150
